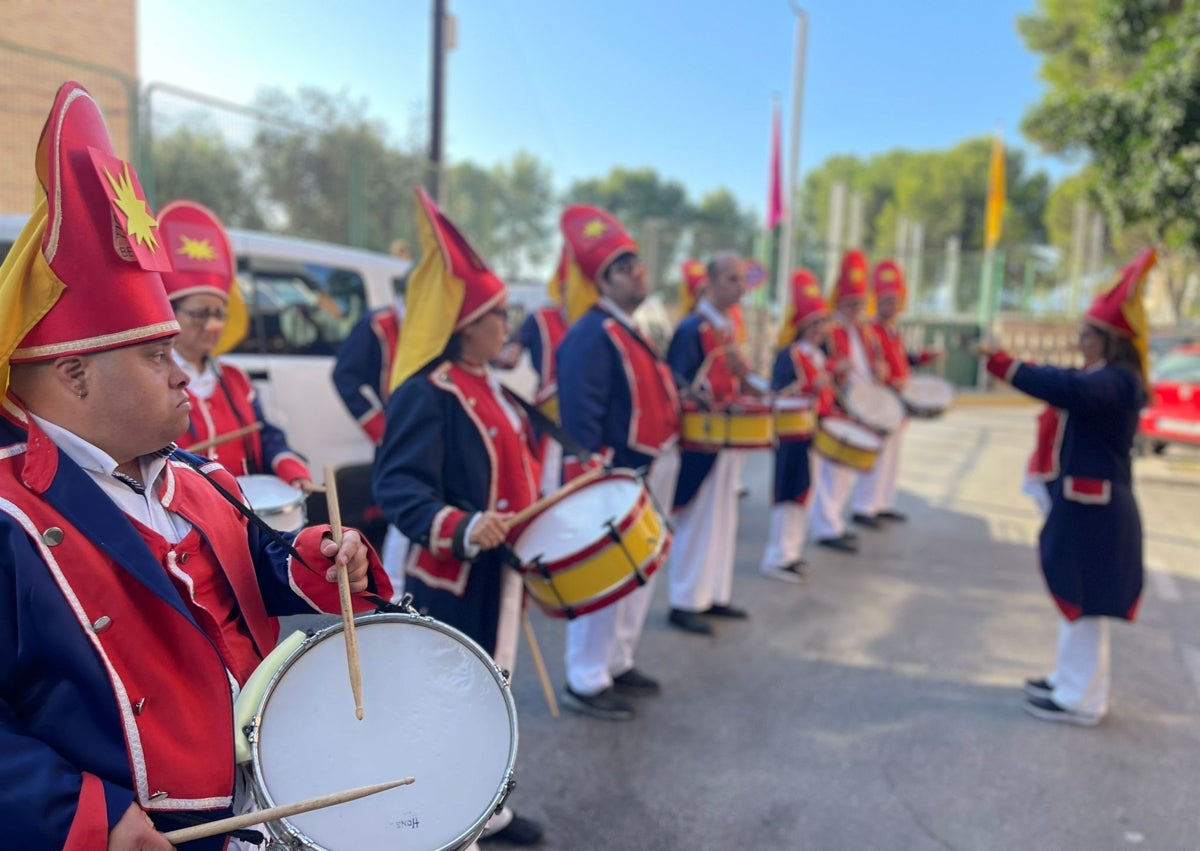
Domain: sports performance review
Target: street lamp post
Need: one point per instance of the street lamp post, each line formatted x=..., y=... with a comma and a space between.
x=784, y=271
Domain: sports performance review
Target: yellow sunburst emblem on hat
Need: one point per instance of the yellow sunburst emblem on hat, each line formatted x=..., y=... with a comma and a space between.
x=594, y=228
x=196, y=249
x=139, y=224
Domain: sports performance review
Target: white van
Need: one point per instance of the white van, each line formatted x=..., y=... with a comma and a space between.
x=303, y=298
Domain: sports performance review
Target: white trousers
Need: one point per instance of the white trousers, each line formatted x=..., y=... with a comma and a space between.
x=395, y=553
x=601, y=645
x=876, y=491
x=700, y=567
x=551, y=467
x=831, y=492
x=785, y=535
x=1082, y=673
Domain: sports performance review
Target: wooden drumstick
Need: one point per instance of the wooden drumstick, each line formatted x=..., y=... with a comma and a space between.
x=205, y=445
x=539, y=663
x=343, y=575
x=570, y=487
x=225, y=825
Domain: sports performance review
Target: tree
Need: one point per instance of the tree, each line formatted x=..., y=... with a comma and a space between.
x=524, y=228
x=194, y=161
x=721, y=224
x=1124, y=90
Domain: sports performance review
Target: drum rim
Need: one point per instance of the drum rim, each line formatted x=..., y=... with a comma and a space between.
x=463, y=839
x=612, y=593
x=626, y=520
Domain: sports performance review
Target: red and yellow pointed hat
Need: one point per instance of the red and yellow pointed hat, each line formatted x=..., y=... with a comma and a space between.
x=557, y=284
x=693, y=275
x=888, y=279
x=594, y=239
x=1119, y=309
x=449, y=289
x=852, y=277
x=88, y=264
x=807, y=305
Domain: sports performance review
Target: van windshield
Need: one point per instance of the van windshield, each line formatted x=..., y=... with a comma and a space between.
x=299, y=308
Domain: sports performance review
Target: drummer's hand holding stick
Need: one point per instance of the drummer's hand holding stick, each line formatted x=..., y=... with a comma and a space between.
x=346, y=551
x=489, y=529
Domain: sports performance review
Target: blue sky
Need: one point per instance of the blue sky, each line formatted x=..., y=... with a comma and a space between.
x=683, y=87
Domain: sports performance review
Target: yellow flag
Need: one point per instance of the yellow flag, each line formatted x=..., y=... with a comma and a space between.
x=28, y=288
x=994, y=216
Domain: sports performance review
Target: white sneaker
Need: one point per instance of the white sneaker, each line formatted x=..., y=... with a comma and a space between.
x=793, y=572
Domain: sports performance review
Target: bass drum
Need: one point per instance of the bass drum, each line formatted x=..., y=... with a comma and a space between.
x=435, y=707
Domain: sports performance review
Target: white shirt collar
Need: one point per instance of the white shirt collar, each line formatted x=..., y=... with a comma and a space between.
x=611, y=306
x=96, y=461
x=718, y=320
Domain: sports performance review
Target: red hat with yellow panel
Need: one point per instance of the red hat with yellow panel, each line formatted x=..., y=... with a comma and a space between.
x=85, y=273
x=693, y=276
x=1119, y=309
x=807, y=306
x=852, y=277
x=203, y=263
x=451, y=288
x=594, y=239
x=888, y=280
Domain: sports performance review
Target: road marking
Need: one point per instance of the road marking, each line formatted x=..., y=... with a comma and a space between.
x=1164, y=584
x=1191, y=659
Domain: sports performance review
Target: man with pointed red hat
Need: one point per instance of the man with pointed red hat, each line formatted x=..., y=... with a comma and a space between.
x=799, y=372
x=457, y=458
x=200, y=285
x=618, y=400
x=692, y=278
x=136, y=598
x=875, y=492
x=850, y=357
x=705, y=354
x=1091, y=543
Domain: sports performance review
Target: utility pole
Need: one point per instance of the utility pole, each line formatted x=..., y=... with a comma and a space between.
x=783, y=273
x=433, y=179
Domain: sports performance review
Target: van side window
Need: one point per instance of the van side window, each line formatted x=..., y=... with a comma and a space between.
x=298, y=308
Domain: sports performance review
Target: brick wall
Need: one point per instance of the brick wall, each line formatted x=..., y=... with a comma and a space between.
x=93, y=32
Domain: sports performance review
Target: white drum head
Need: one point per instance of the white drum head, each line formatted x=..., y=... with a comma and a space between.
x=275, y=501
x=928, y=392
x=434, y=708
x=792, y=403
x=577, y=520
x=875, y=405
x=852, y=434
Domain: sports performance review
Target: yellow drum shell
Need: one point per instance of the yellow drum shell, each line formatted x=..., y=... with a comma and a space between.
x=794, y=423
x=841, y=448
x=739, y=426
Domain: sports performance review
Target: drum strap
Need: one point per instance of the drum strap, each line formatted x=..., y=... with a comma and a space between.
x=550, y=427
x=253, y=518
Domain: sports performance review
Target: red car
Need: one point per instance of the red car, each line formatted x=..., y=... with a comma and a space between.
x=1173, y=415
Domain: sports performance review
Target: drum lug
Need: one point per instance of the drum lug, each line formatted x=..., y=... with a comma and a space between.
x=506, y=675
x=251, y=729
x=509, y=785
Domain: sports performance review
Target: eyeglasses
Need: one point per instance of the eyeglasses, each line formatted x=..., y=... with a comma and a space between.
x=626, y=265
x=502, y=312
x=201, y=317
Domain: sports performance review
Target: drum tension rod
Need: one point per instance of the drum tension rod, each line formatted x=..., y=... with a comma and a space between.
x=616, y=536
x=540, y=567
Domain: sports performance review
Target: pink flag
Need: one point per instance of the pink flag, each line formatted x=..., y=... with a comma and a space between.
x=775, y=188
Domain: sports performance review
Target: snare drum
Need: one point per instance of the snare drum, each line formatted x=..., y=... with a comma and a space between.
x=795, y=418
x=874, y=405
x=275, y=501
x=927, y=396
x=593, y=546
x=741, y=424
x=847, y=443
x=436, y=708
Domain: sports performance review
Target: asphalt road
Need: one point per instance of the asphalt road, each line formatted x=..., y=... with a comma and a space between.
x=879, y=706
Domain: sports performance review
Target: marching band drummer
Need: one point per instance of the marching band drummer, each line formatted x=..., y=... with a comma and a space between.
x=700, y=565
x=799, y=371
x=362, y=376
x=875, y=492
x=456, y=459
x=692, y=280
x=200, y=285
x=849, y=357
x=121, y=567
x=618, y=399
x=1090, y=545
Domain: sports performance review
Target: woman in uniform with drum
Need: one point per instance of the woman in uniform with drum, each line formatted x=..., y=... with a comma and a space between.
x=227, y=422
x=1091, y=542
x=457, y=455
x=804, y=391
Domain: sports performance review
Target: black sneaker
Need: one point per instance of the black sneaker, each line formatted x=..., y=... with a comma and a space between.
x=636, y=684
x=793, y=572
x=893, y=515
x=867, y=520
x=689, y=622
x=842, y=545
x=717, y=610
x=519, y=831
x=1048, y=710
x=1039, y=688
x=604, y=705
